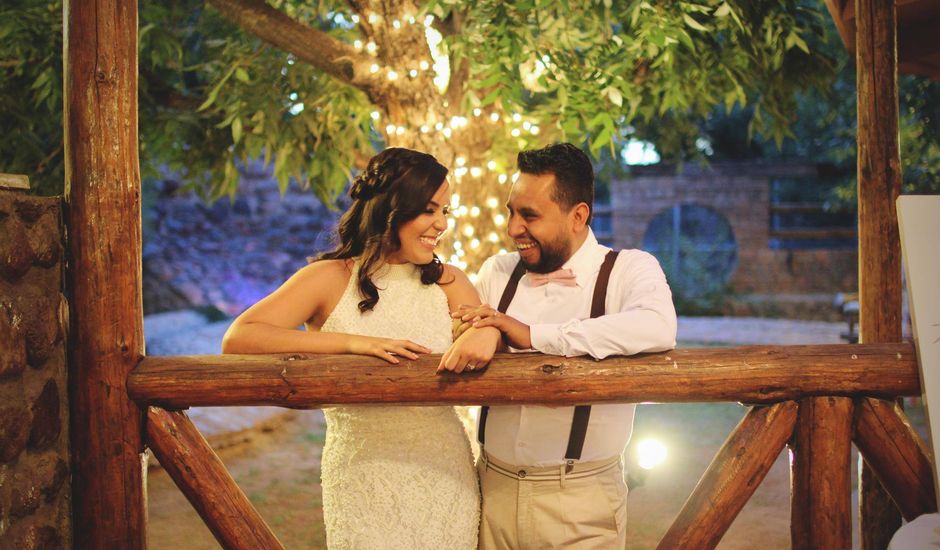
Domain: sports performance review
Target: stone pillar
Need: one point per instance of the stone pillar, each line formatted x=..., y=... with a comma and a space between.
x=34, y=455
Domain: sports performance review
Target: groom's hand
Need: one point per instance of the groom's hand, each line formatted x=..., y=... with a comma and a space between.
x=515, y=332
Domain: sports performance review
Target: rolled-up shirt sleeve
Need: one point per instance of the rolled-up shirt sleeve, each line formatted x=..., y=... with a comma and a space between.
x=642, y=316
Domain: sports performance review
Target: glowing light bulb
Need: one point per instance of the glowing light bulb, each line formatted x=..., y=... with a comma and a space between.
x=355, y=18
x=396, y=23
x=424, y=129
x=468, y=230
x=392, y=75
x=413, y=73
x=455, y=200
x=374, y=68
x=491, y=202
x=476, y=171
x=373, y=18
x=458, y=245
x=461, y=253
x=502, y=178
x=460, y=161
x=454, y=258
x=477, y=112
x=475, y=243
x=460, y=172
x=371, y=47
x=494, y=117
x=534, y=130
x=493, y=237
x=447, y=132
x=491, y=165
x=411, y=20
x=400, y=130
x=499, y=219
x=375, y=115
x=515, y=132
x=424, y=65
x=357, y=44
x=526, y=125
x=650, y=453
x=450, y=225
x=516, y=117
x=390, y=129
x=439, y=126
x=475, y=211
x=428, y=20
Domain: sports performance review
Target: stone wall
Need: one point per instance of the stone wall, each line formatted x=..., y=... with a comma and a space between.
x=231, y=253
x=741, y=193
x=34, y=455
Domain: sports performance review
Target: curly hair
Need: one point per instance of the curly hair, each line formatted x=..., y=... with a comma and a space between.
x=574, y=175
x=395, y=188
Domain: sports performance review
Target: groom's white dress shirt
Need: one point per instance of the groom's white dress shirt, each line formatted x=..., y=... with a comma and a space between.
x=640, y=318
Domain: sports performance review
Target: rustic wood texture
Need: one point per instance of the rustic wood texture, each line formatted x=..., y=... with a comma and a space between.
x=754, y=374
x=821, y=473
x=202, y=477
x=897, y=454
x=732, y=477
x=102, y=182
x=14, y=181
x=879, y=184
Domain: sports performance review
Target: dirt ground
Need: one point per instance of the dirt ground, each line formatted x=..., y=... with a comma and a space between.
x=279, y=471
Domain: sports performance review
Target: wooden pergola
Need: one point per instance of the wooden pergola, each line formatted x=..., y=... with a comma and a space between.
x=820, y=398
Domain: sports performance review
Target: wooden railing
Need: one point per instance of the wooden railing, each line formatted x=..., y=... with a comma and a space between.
x=817, y=399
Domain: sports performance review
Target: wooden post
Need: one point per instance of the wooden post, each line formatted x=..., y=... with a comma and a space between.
x=879, y=184
x=732, y=477
x=201, y=476
x=897, y=455
x=102, y=182
x=821, y=499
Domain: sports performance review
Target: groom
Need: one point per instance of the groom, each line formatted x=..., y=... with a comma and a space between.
x=552, y=477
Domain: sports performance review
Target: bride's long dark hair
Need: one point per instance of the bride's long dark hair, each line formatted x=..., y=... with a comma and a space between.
x=395, y=188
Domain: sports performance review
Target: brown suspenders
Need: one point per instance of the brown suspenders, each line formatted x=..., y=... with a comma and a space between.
x=582, y=413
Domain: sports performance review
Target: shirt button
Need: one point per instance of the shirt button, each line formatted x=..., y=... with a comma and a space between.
x=521, y=474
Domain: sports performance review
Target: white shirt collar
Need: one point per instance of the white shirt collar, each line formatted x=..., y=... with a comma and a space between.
x=584, y=262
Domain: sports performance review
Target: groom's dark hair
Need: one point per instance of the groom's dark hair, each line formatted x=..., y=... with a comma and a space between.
x=574, y=175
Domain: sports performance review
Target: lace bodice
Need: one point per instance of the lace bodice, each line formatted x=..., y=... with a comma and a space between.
x=398, y=477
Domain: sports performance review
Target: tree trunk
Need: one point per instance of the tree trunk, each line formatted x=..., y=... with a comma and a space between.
x=102, y=180
x=879, y=184
x=821, y=501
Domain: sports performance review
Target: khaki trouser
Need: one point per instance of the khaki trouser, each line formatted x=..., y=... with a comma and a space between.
x=534, y=508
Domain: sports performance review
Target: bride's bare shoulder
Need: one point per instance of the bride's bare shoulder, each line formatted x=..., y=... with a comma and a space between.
x=326, y=271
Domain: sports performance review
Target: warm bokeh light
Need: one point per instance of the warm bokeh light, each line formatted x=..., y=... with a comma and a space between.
x=650, y=453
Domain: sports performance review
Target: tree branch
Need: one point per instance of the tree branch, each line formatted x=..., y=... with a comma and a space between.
x=307, y=44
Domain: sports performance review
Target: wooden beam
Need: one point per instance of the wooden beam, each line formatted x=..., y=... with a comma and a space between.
x=898, y=456
x=14, y=181
x=732, y=477
x=102, y=182
x=821, y=473
x=754, y=374
x=879, y=184
x=201, y=476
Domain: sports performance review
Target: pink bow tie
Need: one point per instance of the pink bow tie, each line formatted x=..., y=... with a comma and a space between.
x=564, y=277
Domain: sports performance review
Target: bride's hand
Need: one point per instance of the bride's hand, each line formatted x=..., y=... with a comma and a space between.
x=385, y=348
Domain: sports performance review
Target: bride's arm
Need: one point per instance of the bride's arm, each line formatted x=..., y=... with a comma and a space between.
x=272, y=324
x=475, y=346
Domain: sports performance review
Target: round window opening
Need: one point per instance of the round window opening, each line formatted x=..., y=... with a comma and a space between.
x=696, y=247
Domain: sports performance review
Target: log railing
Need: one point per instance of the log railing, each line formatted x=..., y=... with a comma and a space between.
x=819, y=400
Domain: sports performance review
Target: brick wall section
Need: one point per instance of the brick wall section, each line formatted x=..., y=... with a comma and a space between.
x=34, y=456
x=741, y=193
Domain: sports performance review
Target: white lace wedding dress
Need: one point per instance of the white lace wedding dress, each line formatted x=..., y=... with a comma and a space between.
x=398, y=477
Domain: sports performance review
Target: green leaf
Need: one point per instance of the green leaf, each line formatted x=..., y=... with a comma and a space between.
x=236, y=130
x=691, y=22
x=242, y=75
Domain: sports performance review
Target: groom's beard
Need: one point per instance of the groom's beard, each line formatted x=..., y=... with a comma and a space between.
x=552, y=255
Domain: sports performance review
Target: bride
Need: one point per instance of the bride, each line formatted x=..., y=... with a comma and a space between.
x=392, y=477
